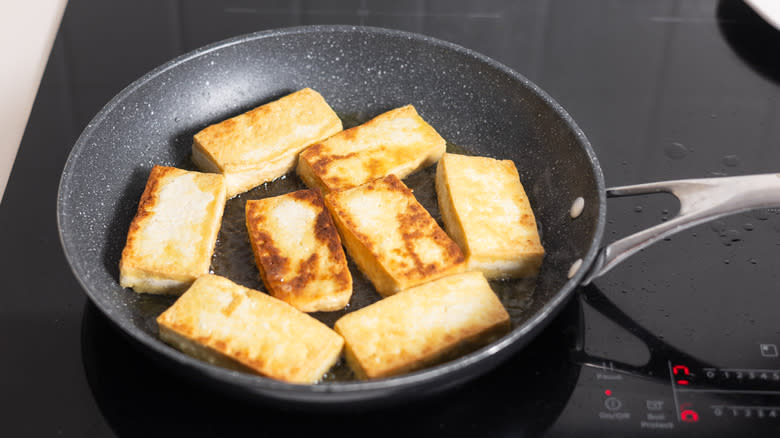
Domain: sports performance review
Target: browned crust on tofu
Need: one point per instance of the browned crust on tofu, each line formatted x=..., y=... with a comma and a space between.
x=201, y=352
x=311, y=279
x=174, y=265
x=422, y=326
x=372, y=150
x=145, y=206
x=213, y=139
x=485, y=209
x=263, y=144
x=391, y=256
x=249, y=327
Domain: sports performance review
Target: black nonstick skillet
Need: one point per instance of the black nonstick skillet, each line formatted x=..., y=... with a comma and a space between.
x=480, y=106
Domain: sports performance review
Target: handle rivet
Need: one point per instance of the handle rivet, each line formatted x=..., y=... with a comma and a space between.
x=574, y=268
x=576, y=207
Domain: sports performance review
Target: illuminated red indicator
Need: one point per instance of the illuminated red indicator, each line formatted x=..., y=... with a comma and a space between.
x=608, y=392
x=689, y=416
x=680, y=369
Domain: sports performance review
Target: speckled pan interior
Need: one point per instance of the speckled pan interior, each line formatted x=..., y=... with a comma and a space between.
x=471, y=100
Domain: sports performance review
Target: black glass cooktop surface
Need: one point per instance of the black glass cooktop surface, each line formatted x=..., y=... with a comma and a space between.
x=683, y=339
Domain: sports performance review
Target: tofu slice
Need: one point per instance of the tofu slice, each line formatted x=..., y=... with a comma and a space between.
x=485, y=209
x=422, y=326
x=172, y=236
x=227, y=324
x=391, y=237
x=298, y=251
x=397, y=142
x=263, y=144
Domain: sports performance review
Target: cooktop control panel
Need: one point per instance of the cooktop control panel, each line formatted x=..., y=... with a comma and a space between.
x=726, y=393
x=684, y=401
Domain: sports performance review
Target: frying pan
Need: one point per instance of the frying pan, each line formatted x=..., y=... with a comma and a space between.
x=473, y=101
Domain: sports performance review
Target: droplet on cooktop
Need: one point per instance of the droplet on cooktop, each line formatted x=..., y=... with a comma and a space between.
x=676, y=151
x=574, y=268
x=638, y=209
x=576, y=207
x=761, y=214
x=731, y=236
x=748, y=226
x=730, y=161
x=718, y=226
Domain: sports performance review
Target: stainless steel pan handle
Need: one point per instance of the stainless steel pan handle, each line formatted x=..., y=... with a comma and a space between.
x=701, y=200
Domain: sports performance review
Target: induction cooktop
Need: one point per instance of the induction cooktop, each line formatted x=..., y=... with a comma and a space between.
x=682, y=339
x=593, y=372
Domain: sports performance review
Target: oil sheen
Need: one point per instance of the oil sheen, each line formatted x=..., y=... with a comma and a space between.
x=233, y=256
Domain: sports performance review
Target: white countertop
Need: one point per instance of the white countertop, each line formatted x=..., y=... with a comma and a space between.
x=27, y=31
x=769, y=10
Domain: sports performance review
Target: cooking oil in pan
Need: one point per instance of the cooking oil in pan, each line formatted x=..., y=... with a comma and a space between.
x=233, y=256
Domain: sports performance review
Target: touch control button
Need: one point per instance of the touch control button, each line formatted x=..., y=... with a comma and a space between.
x=613, y=404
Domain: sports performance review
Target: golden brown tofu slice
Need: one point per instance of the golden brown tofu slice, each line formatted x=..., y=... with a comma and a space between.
x=397, y=142
x=298, y=251
x=422, y=326
x=485, y=209
x=172, y=236
x=263, y=144
x=391, y=237
x=227, y=324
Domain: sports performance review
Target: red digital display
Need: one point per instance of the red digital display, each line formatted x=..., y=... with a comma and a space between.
x=689, y=416
x=681, y=370
x=608, y=392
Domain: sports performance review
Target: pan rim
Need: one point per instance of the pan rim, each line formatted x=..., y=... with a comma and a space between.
x=337, y=392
